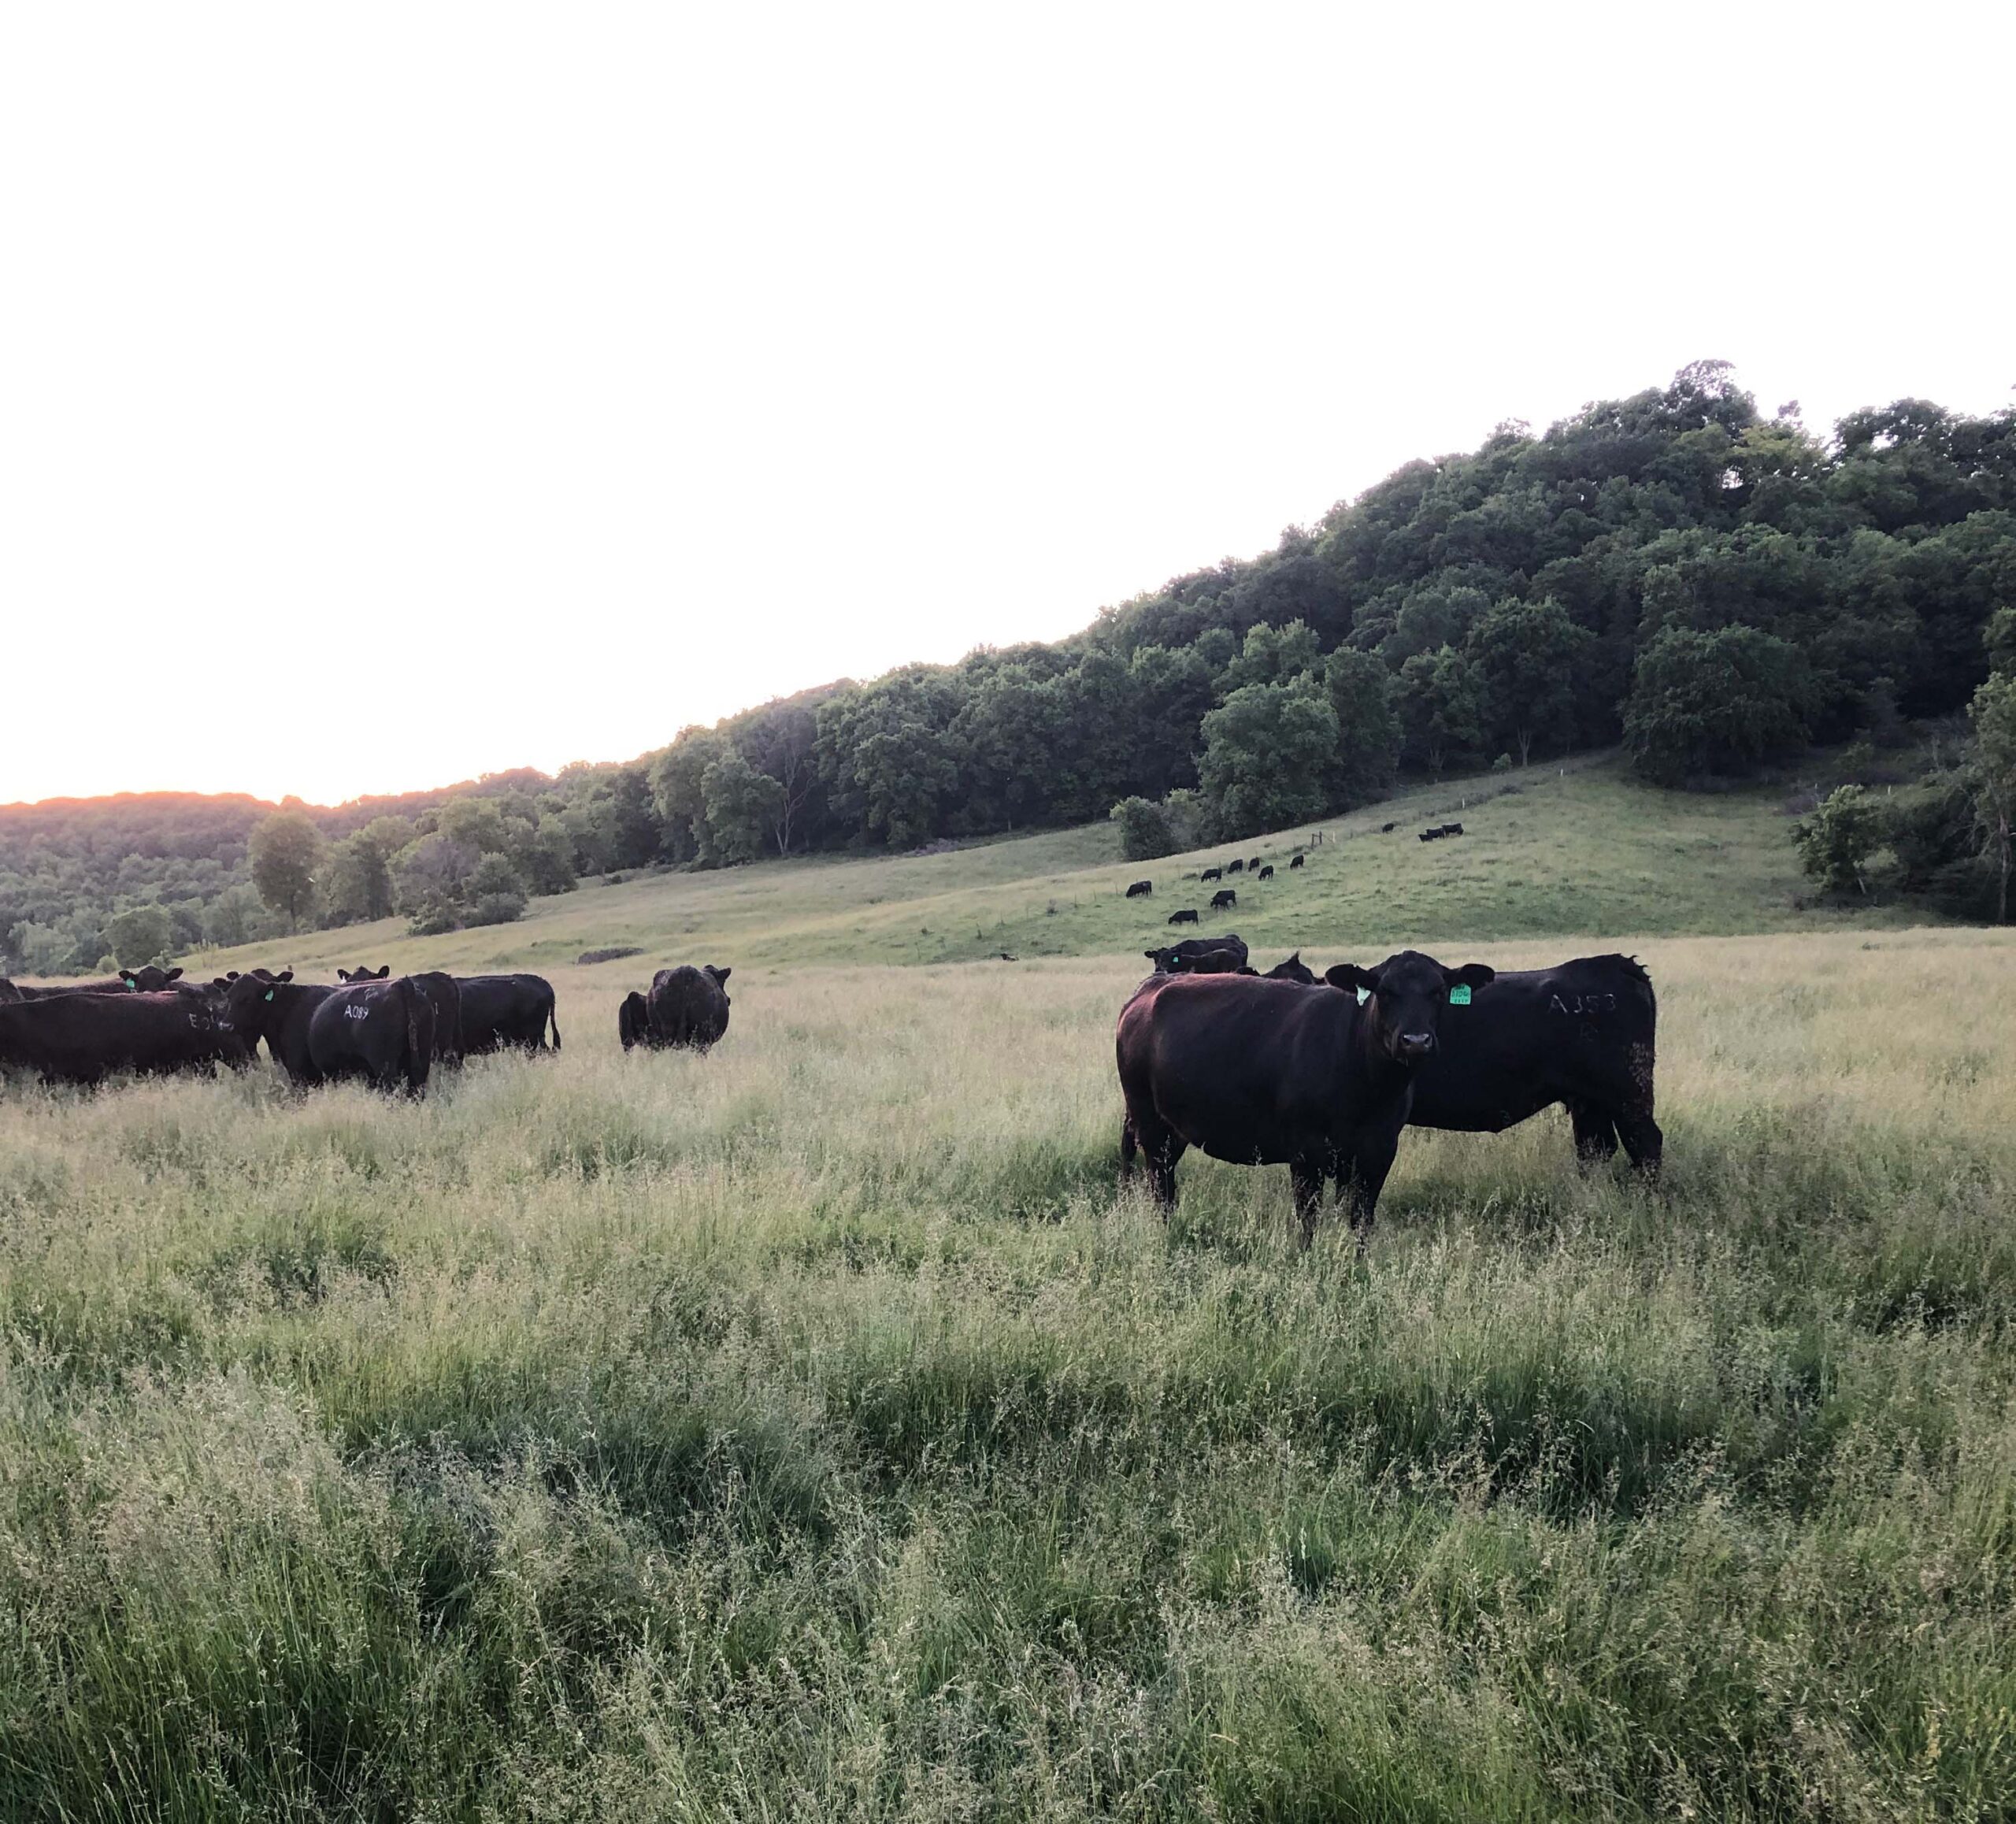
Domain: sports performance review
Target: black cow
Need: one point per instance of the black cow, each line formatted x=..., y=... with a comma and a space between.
x=688, y=1006
x=1583, y=1033
x=1235, y=867
x=633, y=1021
x=444, y=994
x=1293, y=968
x=1252, y=865
x=1200, y=962
x=381, y=1031
x=1140, y=889
x=1267, y=872
x=501, y=1010
x=1223, y=898
x=1272, y=1073
x=1296, y=862
x=83, y=1038
x=1212, y=874
x=1431, y=836
x=1387, y=828
x=1180, y=958
x=1449, y=829
x=1187, y=916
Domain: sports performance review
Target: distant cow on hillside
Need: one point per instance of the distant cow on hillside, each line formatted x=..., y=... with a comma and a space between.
x=1140, y=889
x=1187, y=916
x=1252, y=866
x=1212, y=874
x=1296, y=862
x=1449, y=829
x=1235, y=867
x=1431, y=836
x=1223, y=898
x=1267, y=872
x=1387, y=828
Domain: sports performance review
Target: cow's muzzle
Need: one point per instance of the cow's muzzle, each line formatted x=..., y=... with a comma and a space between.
x=1414, y=1047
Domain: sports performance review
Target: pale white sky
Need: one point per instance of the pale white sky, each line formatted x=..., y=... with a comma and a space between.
x=390, y=394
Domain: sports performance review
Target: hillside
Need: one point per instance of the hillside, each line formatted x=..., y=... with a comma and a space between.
x=1581, y=849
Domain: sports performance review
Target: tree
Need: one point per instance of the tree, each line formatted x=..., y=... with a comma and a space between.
x=781, y=740
x=743, y=807
x=1361, y=692
x=1836, y=842
x=1144, y=829
x=2000, y=637
x=1991, y=776
x=1274, y=655
x=1441, y=708
x=1717, y=703
x=140, y=935
x=357, y=880
x=1528, y=657
x=677, y=792
x=432, y=875
x=1267, y=751
x=286, y=853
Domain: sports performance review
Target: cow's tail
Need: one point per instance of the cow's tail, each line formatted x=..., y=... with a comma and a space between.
x=420, y=1034
x=553, y=1020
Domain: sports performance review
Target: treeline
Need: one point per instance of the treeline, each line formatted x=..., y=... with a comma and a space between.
x=1715, y=590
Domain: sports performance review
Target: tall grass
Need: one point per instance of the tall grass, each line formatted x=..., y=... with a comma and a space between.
x=811, y=1430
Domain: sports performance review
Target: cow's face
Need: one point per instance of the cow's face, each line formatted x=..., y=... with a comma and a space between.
x=149, y=981
x=248, y=999
x=1404, y=998
x=377, y=974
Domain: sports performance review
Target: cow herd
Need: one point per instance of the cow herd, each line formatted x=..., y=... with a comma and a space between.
x=1316, y=1073
x=1321, y=1074
x=1226, y=899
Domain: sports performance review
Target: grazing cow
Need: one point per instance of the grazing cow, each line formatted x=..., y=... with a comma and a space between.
x=1296, y=862
x=1270, y=1072
x=1267, y=872
x=688, y=1006
x=1187, y=916
x=1431, y=836
x=1387, y=828
x=381, y=1031
x=1180, y=958
x=1212, y=874
x=1252, y=866
x=444, y=994
x=1583, y=1033
x=501, y=1010
x=633, y=1021
x=1235, y=867
x=83, y=1038
x=1140, y=889
x=1223, y=898
x=1293, y=969
x=1450, y=829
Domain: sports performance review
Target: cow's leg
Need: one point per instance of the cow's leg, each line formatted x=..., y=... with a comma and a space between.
x=1127, y=1148
x=1307, y=1176
x=1643, y=1143
x=1360, y=1176
x=1163, y=1146
x=1595, y=1134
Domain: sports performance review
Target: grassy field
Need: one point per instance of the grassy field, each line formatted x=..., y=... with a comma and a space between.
x=1584, y=848
x=810, y=1431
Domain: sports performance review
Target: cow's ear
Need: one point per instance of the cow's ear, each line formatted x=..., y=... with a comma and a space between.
x=384, y=969
x=231, y=975
x=224, y=981
x=1475, y=975
x=721, y=974
x=174, y=974
x=343, y=975
x=1349, y=976
x=284, y=975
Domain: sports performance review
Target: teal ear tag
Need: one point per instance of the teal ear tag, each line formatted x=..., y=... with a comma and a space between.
x=1460, y=996
x=1364, y=994
x=270, y=994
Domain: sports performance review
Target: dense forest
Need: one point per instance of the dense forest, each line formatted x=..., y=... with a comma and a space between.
x=1716, y=590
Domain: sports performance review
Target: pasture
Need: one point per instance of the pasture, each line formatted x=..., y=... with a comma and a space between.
x=1580, y=848
x=809, y=1430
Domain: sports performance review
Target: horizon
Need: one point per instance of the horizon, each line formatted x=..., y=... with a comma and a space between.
x=428, y=397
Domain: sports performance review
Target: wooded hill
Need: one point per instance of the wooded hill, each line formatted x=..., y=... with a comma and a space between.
x=1714, y=589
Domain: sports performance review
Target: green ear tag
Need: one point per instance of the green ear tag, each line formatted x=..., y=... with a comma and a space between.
x=1460, y=996
x=1364, y=994
x=270, y=994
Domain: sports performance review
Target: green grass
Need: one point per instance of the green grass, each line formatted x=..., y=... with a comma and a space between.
x=813, y=1430
x=1573, y=850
